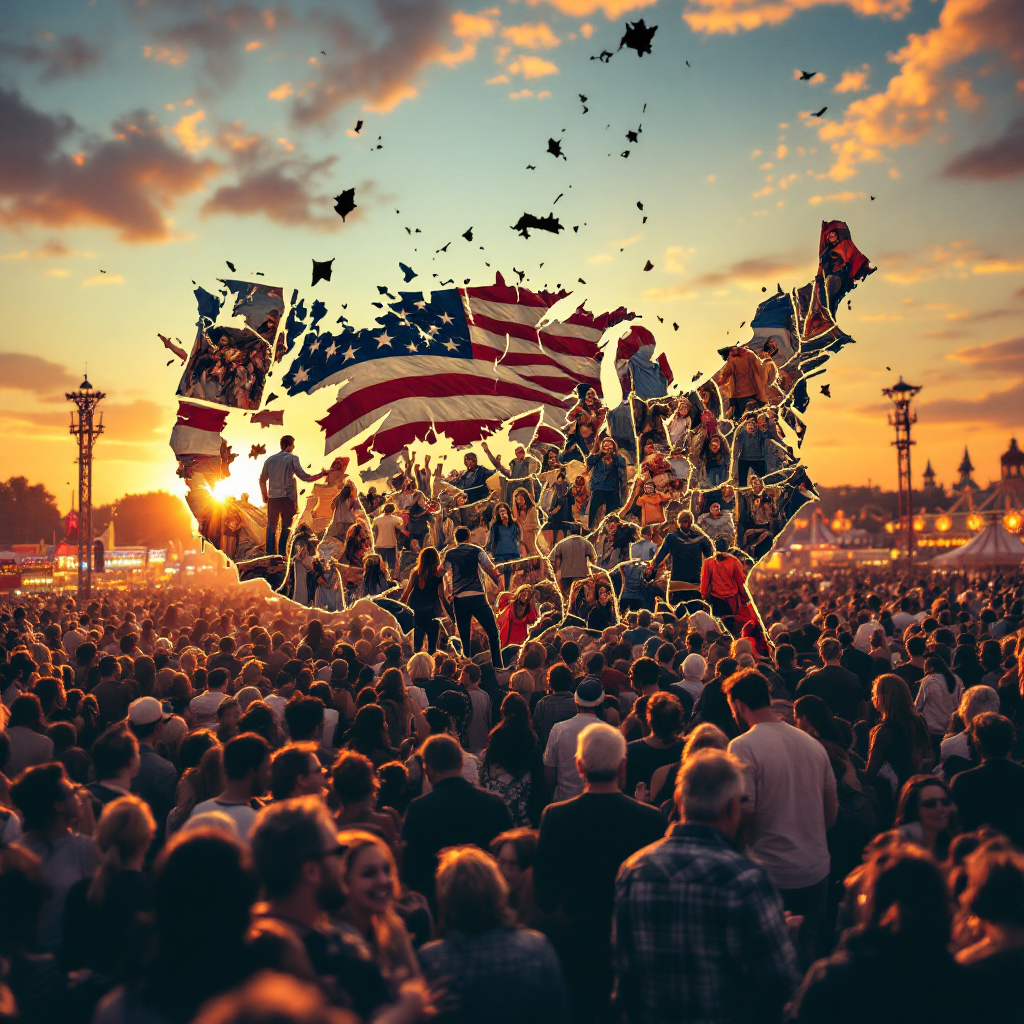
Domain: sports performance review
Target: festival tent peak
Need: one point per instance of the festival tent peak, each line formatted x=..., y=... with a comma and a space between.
x=992, y=547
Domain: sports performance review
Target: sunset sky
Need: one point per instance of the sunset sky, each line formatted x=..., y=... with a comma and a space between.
x=155, y=139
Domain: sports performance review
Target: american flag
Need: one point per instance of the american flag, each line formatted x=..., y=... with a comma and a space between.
x=460, y=364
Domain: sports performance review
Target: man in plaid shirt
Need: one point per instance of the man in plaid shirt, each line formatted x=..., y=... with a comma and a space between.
x=699, y=930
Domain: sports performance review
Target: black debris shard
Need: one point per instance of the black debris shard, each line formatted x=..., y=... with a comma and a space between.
x=358, y=128
x=648, y=266
x=818, y=113
x=321, y=271
x=528, y=222
x=806, y=76
x=408, y=272
x=231, y=267
x=468, y=234
x=825, y=390
x=345, y=203
x=638, y=37
x=555, y=148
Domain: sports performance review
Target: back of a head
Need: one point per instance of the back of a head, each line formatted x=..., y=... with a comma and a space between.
x=570, y=653
x=560, y=678
x=285, y=836
x=180, y=905
x=353, y=778
x=907, y=896
x=305, y=716
x=829, y=649
x=601, y=749
x=461, y=535
x=694, y=667
x=244, y=754
x=976, y=701
x=749, y=687
x=707, y=781
x=665, y=716
x=288, y=765
x=644, y=672
x=441, y=754
x=995, y=887
x=36, y=791
x=472, y=895
x=992, y=734
x=113, y=751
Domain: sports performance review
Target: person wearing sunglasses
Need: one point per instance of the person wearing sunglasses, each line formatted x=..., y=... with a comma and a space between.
x=926, y=814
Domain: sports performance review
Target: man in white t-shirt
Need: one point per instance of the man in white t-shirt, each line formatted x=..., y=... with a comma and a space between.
x=386, y=540
x=791, y=804
x=204, y=706
x=284, y=687
x=560, y=753
x=246, y=777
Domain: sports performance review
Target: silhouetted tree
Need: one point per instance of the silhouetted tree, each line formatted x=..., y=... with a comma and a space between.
x=28, y=512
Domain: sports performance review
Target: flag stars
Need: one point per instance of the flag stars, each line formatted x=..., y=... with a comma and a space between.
x=300, y=375
x=349, y=353
x=331, y=349
x=421, y=304
x=315, y=346
x=445, y=318
x=412, y=346
x=384, y=339
x=433, y=329
x=450, y=345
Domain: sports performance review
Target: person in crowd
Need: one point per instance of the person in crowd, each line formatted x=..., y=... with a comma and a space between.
x=515, y=851
x=495, y=971
x=937, y=699
x=899, y=741
x=103, y=915
x=839, y=688
x=370, y=883
x=687, y=548
x=246, y=761
x=560, y=766
x=28, y=743
x=463, y=563
x=512, y=765
x=662, y=745
x=295, y=771
x=582, y=843
x=792, y=803
x=894, y=965
x=277, y=487
x=355, y=786
x=925, y=814
x=115, y=762
x=709, y=911
x=993, y=793
x=453, y=813
x=559, y=703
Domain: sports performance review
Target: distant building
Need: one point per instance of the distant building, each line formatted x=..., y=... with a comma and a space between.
x=966, y=471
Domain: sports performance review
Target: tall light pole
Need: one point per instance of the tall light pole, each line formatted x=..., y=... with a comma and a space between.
x=86, y=429
x=901, y=394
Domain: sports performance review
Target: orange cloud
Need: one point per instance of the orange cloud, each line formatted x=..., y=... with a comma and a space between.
x=470, y=28
x=917, y=98
x=853, y=81
x=537, y=36
x=189, y=134
x=127, y=182
x=173, y=55
x=530, y=66
x=611, y=9
x=716, y=16
x=282, y=92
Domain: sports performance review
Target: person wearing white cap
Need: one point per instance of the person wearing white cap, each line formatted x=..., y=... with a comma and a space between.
x=560, y=752
x=157, y=777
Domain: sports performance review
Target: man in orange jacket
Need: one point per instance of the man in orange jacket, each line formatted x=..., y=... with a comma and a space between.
x=721, y=581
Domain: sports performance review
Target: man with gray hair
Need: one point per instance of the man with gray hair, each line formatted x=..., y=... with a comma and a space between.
x=582, y=843
x=956, y=754
x=710, y=913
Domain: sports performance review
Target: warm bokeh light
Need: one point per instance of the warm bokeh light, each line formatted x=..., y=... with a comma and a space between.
x=1012, y=521
x=943, y=523
x=974, y=521
x=890, y=527
x=919, y=524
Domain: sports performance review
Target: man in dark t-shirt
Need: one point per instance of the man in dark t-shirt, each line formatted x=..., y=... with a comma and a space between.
x=837, y=687
x=582, y=844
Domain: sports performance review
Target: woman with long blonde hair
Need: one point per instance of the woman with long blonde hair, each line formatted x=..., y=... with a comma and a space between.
x=101, y=916
x=370, y=882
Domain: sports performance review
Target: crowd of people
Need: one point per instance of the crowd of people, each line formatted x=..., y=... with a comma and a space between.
x=225, y=807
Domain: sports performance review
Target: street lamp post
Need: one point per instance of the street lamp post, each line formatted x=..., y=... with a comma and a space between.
x=86, y=429
x=901, y=394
